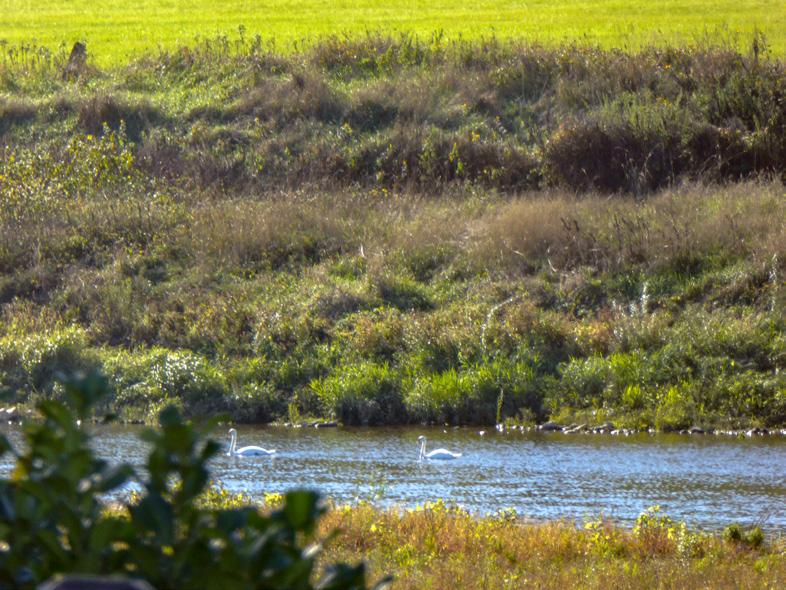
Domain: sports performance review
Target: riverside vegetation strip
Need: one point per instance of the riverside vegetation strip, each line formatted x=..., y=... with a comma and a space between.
x=438, y=546
x=389, y=230
x=119, y=30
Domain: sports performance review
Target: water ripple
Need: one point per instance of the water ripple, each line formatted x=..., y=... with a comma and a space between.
x=707, y=481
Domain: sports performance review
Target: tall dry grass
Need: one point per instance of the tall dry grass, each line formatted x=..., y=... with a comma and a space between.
x=674, y=229
x=557, y=231
x=437, y=547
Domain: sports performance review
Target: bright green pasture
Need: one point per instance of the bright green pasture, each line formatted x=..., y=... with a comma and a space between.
x=115, y=29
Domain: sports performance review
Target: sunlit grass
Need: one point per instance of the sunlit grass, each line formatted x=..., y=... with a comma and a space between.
x=439, y=547
x=115, y=30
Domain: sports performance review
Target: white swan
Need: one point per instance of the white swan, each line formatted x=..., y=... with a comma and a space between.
x=437, y=454
x=245, y=451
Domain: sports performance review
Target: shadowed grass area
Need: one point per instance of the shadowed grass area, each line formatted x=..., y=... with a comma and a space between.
x=115, y=31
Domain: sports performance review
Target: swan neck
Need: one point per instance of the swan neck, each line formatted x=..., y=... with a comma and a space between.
x=233, y=444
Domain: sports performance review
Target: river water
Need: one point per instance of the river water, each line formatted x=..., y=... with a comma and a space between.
x=708, y=481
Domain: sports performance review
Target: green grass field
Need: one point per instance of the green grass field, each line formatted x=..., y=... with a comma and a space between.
x=115, y=30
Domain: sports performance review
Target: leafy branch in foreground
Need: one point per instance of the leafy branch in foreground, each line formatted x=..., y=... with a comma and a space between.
x=53, y=519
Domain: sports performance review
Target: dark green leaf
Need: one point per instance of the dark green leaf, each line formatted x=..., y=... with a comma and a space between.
x=343, y=577
x=300, y=509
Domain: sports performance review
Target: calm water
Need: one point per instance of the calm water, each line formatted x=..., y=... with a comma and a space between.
x=707, y=481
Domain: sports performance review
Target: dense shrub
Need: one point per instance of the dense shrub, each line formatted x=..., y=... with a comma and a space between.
x=30, y=363
x=150, y=380
x=706, y=367
x=481, y=394
x=377, y=335
x=365, y=394
x=752, y=538
x=582, y=384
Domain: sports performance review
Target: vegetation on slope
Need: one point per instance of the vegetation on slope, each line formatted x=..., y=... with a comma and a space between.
x=382, y=113
x=389, y=231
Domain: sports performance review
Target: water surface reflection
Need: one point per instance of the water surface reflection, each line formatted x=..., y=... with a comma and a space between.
x=706, y=480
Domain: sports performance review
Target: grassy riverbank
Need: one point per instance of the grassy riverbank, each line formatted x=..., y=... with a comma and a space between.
x=438, y=547
x=392, y=231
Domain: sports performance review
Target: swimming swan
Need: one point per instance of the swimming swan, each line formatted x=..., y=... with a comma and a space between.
x=245, y=451
x=437, y=454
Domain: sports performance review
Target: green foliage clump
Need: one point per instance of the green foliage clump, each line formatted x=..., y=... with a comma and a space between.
x=752, y=538
x=159, y=377
x=53, y=519
x=582, y=383
x=365, y=393
x=705, y=368
x=103, y=162
x=479, y=394
x=31, y=362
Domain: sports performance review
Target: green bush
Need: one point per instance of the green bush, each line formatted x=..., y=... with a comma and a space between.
x=159, y=376
x=29, y=363
x=438, y=341
x=676, y=408
x=377, y=335
x=53, y=520
x=629, y=377
x=253, y=395
x=581, y=384
x=744, y=396
x=481, y=394
x=753, y=538
x=364, y=394
x=38, y=176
